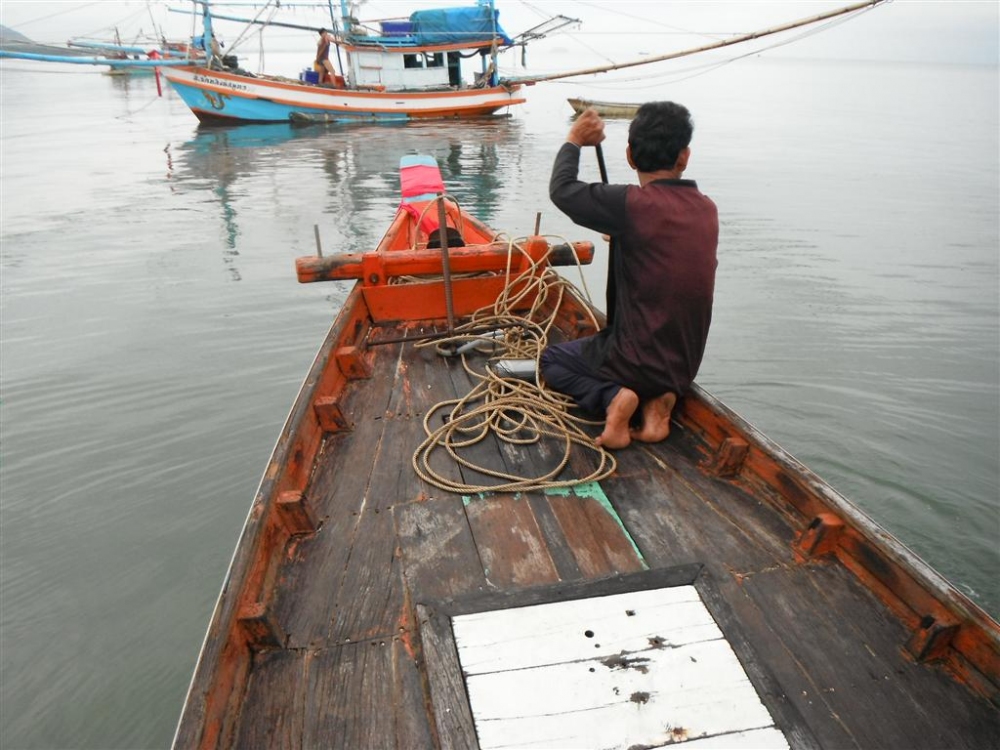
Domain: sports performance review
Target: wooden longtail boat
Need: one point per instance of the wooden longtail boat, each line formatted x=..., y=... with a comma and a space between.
x=708, y=589
x=605, y=109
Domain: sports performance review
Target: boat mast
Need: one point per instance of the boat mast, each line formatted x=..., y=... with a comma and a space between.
x=707, y=47
x=336, y=33
x=345, y=15
x=491, y=69
x=207, y=35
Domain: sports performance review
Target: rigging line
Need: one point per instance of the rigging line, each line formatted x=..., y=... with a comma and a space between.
x=114, y=27
x=157, y=32
x=582, y=43
x=246, y=29
x=700, y=70
x=850, y=9
x=574, y=37
x=654, y=22
x=57, y=13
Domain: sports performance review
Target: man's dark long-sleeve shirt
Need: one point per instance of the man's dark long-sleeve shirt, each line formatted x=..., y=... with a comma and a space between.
x=666, y=235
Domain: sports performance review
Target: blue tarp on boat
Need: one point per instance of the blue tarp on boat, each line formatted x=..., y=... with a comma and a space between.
x=457, y=25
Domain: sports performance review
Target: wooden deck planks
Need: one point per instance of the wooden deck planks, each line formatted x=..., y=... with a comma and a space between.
x=847, y=657
x=684, y=521
x=315, y=566
x=511, y=545
x=370, y=601
x=594, y=535
x=390, y=543
x=795, y=614
x=439, y=554
x=351, y=701
x=273, y=710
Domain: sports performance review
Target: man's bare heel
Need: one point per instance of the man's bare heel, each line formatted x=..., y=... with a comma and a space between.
x=656, y=415
x=616, y=429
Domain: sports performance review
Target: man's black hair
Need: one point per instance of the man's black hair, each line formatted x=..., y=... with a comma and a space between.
x=657, y=135
x=322, y=31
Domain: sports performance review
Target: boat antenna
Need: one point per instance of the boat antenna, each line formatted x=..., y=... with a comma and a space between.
x=335, y=25
x=705, y=48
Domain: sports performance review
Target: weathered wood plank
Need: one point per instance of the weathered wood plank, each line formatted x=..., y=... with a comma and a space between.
x=370, y=602
x=453, y=719
x=510, y=543
x=803, y=611
x=350, y=699
x=414, y=718
x=772, y=530
x=631, y=622
x=314, y=568
x=697, y=690
x=424, y=382
x=439, y=554
x=666, y=512
x=559, y=549
x=594, y=533
x=272, y=712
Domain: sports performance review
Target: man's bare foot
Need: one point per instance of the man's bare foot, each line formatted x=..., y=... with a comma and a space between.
x=656, y=419
x=620, y=410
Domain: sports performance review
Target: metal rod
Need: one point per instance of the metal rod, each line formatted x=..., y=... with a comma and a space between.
x=319, y=247
x=404, y=339
x=445, y=262
x=432, y=335
x=611, y=290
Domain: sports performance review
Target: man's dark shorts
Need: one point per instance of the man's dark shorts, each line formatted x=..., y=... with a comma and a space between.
x=566, y=370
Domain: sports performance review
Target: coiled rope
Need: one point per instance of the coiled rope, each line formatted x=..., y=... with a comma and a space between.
x=517, y=412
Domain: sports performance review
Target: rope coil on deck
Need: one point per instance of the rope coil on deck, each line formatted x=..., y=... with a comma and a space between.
x=516, y=412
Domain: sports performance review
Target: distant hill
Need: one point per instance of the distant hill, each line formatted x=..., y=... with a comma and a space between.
x=15, y=41
x=9, y=35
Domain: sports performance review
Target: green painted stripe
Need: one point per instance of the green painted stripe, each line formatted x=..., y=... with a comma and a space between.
x=594, y=491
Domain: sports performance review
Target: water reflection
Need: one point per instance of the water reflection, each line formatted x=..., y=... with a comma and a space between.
x=353, y=171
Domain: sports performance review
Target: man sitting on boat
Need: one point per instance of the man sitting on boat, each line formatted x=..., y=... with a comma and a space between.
x=666, y=233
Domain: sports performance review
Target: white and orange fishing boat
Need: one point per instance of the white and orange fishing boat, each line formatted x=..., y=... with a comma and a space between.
x=402, y=70
x=438, y=556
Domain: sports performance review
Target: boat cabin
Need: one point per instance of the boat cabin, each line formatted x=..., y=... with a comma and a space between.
x=425, y=51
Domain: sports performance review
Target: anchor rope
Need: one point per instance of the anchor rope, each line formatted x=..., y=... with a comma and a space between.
x=515, y=412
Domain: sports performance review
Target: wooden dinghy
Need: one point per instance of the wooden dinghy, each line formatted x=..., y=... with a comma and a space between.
x=708, y=589
x=605, y=109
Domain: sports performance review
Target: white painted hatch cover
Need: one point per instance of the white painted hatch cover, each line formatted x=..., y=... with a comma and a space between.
x=639, y=669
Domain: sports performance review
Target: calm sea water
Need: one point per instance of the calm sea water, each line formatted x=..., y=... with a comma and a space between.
x=154, y=336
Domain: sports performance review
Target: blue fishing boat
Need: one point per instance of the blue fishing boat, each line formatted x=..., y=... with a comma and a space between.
x=404, y=70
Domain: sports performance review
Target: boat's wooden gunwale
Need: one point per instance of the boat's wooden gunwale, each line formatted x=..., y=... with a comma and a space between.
x=917, y=593
x=223, y=663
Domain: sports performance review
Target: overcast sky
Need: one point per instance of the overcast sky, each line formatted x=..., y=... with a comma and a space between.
x=956, y=31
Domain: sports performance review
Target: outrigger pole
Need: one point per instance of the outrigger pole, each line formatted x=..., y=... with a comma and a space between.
x=726, y=43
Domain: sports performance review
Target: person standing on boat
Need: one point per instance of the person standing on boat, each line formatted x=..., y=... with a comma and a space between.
x=323, y=65
x=666, y=234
